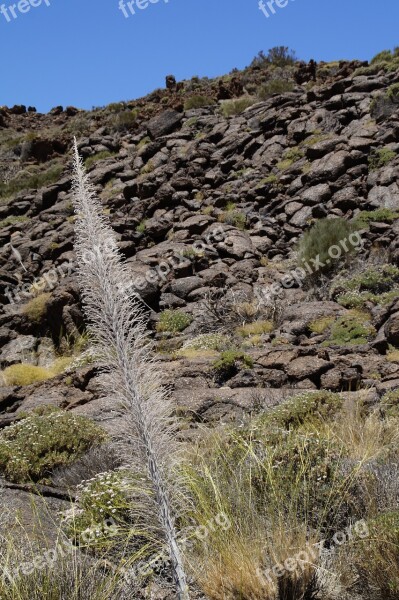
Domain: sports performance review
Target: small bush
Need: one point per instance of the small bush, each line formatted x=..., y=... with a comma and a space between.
x=274, y=86
x=235, y=107
x=389, y=404
x=198, y=102
x=384, y=56
x=393, y=92
x=25, y=374
x=255, y=328
x=233, y=217
x=317, y=242
x=229, y=361
x=28, y=181
x=12, y=221
x=48, y=438
x=380, y=158
x=279, y=56
x=305, y=409
x=125, y=120
x=91, y=160
x=291, y=156
x=173, y=321
x=380, y=215
x=320, y=325
x=36, y=308
x=350, y=330
x=208, y=341
x=376, y=558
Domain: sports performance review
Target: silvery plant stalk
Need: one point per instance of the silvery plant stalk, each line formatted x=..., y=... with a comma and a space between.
x=117, y=325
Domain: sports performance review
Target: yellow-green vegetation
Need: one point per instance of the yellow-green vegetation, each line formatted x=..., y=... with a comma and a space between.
x=393, y=353
x=274, y=86
x=208, y=341
x=255, y=328
x=376, y=285
x=33, y=447
x=92, y=160
x=232, y=216
x=141, y=226
x=198, y=102
x=104, y=522
x=25, y=374
x=390, y=404
x=230, y=108
x=380, y=158
x=320, y=238
x=148, y=168
x=125, y=119
x=321, y=324
x=393, y=90
x=36, y=308
x=286, y=480
x=173, y=321
x=270, y=179
x=26, y=180
x=12, y=221
x=351, y=330
x=230, y=362
x=380, y=215
x=290, y=156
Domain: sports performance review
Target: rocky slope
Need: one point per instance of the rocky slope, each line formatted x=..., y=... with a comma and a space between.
x=209, y=210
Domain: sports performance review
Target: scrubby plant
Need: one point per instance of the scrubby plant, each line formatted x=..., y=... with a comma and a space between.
x=232, y=216
x=321, y=324
x=208, y=341
x=92, y=160
x=12, y=221
x=274, y=86
x=227, y=365
x=351, y=330
x=198, y=102
x=118, y=327
x=380, y=158
x=22, y=374
x=141, y=227
x=235, y=107
x=389, y=404
x=291, y=156
x=279, y=56
x=36, y=308
x=315, y=245
x=375, y=285
x=380, y=215
x=255, y=328
x=173, y=321
x=26, y=180
x=33, y=447
x=307, y=408
x=393, y=92
x=383, y=56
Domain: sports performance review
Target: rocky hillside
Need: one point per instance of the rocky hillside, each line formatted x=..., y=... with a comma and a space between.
x=211, y=191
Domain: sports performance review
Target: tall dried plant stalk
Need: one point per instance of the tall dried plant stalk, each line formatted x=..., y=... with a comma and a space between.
x=132, y=375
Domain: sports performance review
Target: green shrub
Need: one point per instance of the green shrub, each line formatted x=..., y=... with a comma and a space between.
x=393, y=92
x=274, y=86
x=235, y=107
x=380, y=158
x=91, y=160
x=304, y=409
x=198, y=102
x=389, y=404
x=384, y=56
x=350, y=330
x=233, y=217
x=125, y=120
x=173, y=321
x=375, y=559
x=279, y=56
x=25, y=374
x=325, y=234
x=255, y=328
x=141, y=227
x=291, y=156
x=28, y=181
x=47, y=438
x=36, y=308
x=227, y=364
x=380, y=215
x=208, y=341
x=12, y=221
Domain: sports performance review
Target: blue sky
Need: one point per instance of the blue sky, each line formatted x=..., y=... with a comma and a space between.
x=86, y=53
